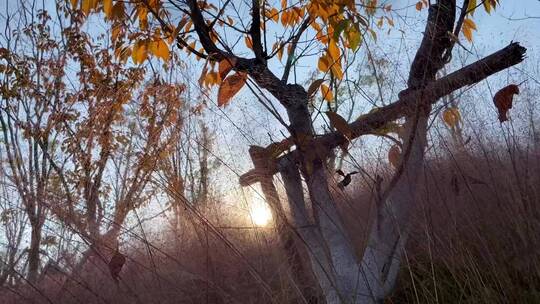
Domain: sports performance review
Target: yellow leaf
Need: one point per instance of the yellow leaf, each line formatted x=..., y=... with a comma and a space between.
x=326, y=93
x=160, y=49
x=471, y=7
x=285, y=18
x=419, y=6
x=142, y=13
x=272, y=14
x=230, y=86
x=280, y=52
x=139, y=53
x=487, y=6
x=333, y=50
x=87, y=6
x=451, y=117
x=203, y=74
x=337, y=71
x=340, y=124
x=355, y=38
x=74, y=3
x=323, y=64
x=469, y=23
x=118, y=11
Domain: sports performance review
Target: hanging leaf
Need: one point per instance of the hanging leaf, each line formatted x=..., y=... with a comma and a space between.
x=107, y=8
x=230, y=86
x=116, y=263
x=451, y=117
x=503, y=100
x=355, y=38
x=327, y=93
x=203, y=74
x=333, y=50
x=323, y=64
x=471, y=7
x=314, y=86
x=468, y=27
x=340, y=124
x=160, y=49
x=225, y=66
x=139, y=52
x=394, y=155
x=249, y=42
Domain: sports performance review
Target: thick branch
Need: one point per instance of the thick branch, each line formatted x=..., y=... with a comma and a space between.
x=469, y=75
x=255, y=30
x=203, y=31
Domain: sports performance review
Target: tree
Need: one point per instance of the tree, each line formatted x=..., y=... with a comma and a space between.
x=30, y=89
x=81, y=146
x=333, y=29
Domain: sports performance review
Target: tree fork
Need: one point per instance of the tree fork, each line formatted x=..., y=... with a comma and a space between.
x=405, y=105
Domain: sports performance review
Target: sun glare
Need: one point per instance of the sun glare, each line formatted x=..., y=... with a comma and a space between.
x=260, y=215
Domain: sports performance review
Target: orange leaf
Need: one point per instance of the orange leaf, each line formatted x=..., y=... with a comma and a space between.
x=107, y=8
x=326, y=93
x=249, y=42
x=160, y=49
x=451, y=117
x=503, y=100
x=333, y=50
x=139, y=52
x=230, y=86
x=225, y=66
x=323, y=64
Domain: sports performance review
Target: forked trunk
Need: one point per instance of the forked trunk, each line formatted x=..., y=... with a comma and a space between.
x=388, y=235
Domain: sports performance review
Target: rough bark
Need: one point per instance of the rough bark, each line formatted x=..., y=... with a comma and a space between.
x=33, y=252
x=308, y=230
x=298, y=257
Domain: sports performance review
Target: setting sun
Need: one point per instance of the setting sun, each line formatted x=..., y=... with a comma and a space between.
x=260, y=215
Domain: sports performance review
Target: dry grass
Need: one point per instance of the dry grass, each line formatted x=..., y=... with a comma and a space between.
x=475, y=239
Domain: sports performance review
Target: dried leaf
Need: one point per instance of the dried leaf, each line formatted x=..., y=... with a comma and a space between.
x=451, y=117
x=225, y=66
x=314, y=86
x=340, y=124
x=503, y=100
x=394, y=155
x=326, y=93
x=116, y=263
x=230, y=86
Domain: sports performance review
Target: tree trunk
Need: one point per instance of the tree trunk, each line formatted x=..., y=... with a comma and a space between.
x=298, y=257
x=341, y=251
x=308, y=231
x=33, y=252
x=388, y=235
